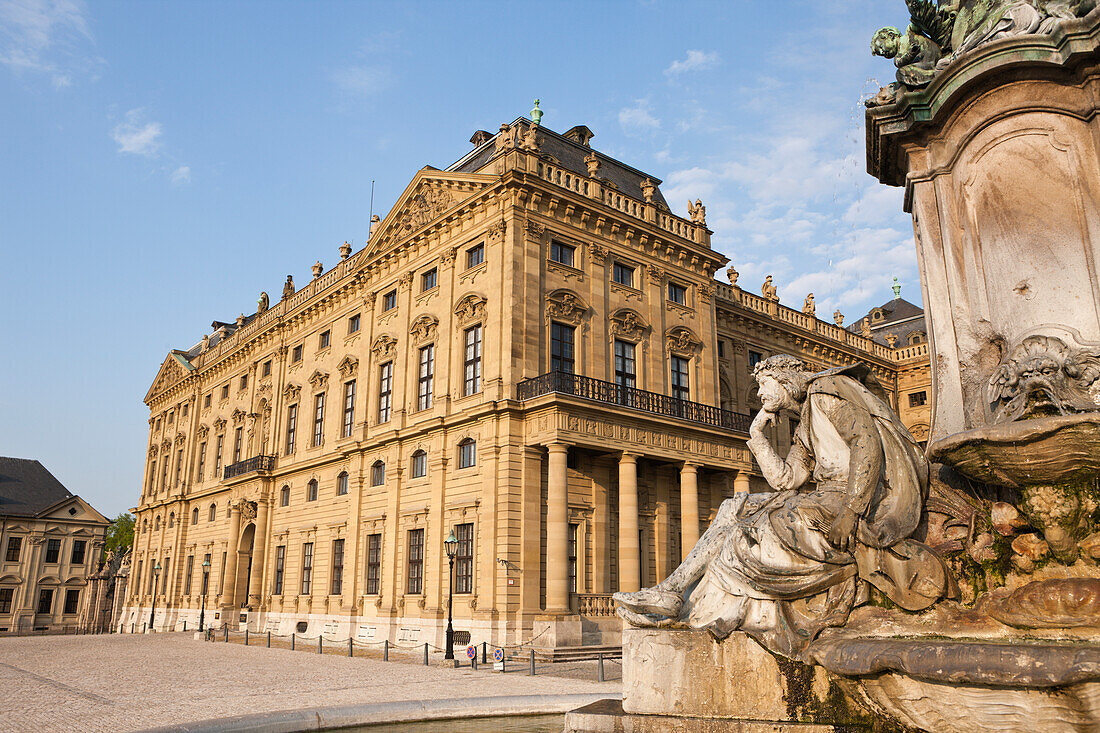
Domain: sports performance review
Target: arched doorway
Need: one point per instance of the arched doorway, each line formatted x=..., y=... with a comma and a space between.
x=244, y=565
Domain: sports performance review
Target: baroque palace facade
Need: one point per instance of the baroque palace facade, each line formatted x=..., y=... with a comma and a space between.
x=531, y=352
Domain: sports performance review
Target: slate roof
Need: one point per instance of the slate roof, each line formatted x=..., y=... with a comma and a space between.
x=27, y=488
x=569, y=155
x=901, y=319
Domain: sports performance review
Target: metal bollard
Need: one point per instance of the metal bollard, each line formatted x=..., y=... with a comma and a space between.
x=349, y=646
x=246, y=636
x=599, y=670
x=320, y=644
x=503, y=662
x=227, y=633
x=425, y=654
x=532, y=662
x=484, y=659
x=185, y=626
x=131, y=628
x=269, y=640
x=385, y=650
x=473, y=663
x=291, y=641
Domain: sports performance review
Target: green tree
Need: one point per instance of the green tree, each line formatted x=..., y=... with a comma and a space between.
x=120, y=533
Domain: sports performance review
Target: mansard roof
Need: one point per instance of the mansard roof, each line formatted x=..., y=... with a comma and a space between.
x=27, y=489
x=899, y=317
x=569, y=154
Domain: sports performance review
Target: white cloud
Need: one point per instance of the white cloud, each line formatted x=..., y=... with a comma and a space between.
x=137, y=137
x=638, y=119
x=362, y=80
x=695, y=61
x=45, y=36
x=181, y=175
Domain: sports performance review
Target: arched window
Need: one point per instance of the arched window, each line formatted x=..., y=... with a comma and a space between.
x=284, y=496
x=342, y=483
x=171, y=520
x=145, y=525
x=467, y=453
x=420, y=464
x=916, y=337
x=378, y=473
x=213, y=512
x=156, y=524
x=195, y=515
x=311, y=490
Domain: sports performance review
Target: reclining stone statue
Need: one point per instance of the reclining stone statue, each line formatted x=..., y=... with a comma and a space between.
x=784, y=565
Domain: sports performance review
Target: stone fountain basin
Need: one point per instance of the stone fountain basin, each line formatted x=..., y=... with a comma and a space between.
x=1039, y=452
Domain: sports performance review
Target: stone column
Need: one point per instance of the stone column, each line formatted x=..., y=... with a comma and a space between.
x=259, y=547
x=557, y=530
x=689, y=508
x=741, y=482
x=229, y=581
x=628, y=523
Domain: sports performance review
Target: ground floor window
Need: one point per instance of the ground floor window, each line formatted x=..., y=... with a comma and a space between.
x=415, y=583
x=5, y=599
x=374, y=562
x=72, y=598
x=571, y=560
x=45, y=600
x=337, y=567
x=464, y=558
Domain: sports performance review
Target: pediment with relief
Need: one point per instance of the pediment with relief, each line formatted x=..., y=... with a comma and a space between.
x=174, y=370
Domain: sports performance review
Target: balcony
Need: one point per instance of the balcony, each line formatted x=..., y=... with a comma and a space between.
x=637, y=399
x=249, y=465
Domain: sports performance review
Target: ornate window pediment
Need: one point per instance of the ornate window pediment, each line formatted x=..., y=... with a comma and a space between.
x=219, y=424
x=238, y=416
x=203, y=431
x=291, y=392
x=384, y=347
x=681, y=340
x=348, y=366
x=563, y=305
x=152, y=451
x=424, y=329
x=319, y=380
x=470, y=308
x=628, y=324
x=180, y=438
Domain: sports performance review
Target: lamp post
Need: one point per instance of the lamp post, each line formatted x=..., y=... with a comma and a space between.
x=205, y=579
x=153, y=608
x=451, y=546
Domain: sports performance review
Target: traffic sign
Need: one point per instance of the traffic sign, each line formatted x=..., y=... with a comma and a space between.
x=471, y=651
x=498, y=654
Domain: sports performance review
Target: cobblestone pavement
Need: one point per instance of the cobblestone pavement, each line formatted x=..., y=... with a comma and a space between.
x=130, y=682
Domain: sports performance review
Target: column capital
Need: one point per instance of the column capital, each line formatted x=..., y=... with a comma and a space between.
x=629, y=457
x=690, y=466
x=558, y=447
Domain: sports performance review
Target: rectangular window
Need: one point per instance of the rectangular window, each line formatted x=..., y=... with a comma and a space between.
x=164, y=474
x=72, y=598
x=721, y=349
x=266, y=372
x=238, y=444
x=78, y=554
x=291, y=427
x=296, y=354
x=917, y=399
x=429, y=280
x=225, y=391
x=562, y=253
x=464, y=558
x=206, y=400
x=349, y=409
x=179, y=466
x=185, y=410
x=152, y=477
x=475, y=255
x=53, y=551
x=472, y=361
x=353, y=324
x=571, y=560
x=337, y=567
x=415, y=584
x=677, y=293
x=171, y=417
x=389, y=301
x=385, y=391
x=420, y=464
x=5, y=599
x=280, y=569
x=45, y=600
x=14, y=545
x=427, y=377
x=374, y=563
x=188, y=574
x=244, y=381
x=467, y=453
x=679, y=379
x=218, y=454
x=164, y=588
x=311, y=490
x=623, y=274
x=202, y=462
x=318, y=418
x=625, y=375
x=561, y=348
x=324, y=340
x=137, y=579
x=342, y=484
x=755, y=357
x=307, y=567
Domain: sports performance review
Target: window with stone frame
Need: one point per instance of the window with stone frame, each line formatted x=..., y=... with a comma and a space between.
x=426, y=377
x=679, y=378
x=464, y=558
x=201, y=471
x=244, y=382
x=374, y=563
x=389, y=301
x=6, y=595
x=284, y=496
x=77, y=556
x=206, y=400
x=623, y=274
x=218, y=445
x=307, y=568
x=195, y=515
x=467, y=453
x=472, y=361
x=225, y=391
x=353, y=324
x=475, y=255
x=385, y=392
x=187, y=576
x=266, y=371
x=296, y=354
x=337, y=567
x=429, y=280
x=562, y=253
x=238, y=444
x=415, y=577
x=571, y=559
x=311, y=490
x=291, y=428
x=213, y=513
x=280, y=569
x=318, y=419
x=677, y=293
x=53, y=551
x=342, y=484
x=755, y=357
x=377, y=473
x=324, y=340
x=419, y=464
x=918, y=399
x=72, y=601
x=349, y=409
x=561, y=348
x=15, y=544
x=45, y=600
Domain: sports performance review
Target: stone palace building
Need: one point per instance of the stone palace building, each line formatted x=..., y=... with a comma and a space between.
x=531, y=352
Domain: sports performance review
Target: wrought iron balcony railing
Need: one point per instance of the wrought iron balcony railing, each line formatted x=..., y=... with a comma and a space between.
x=638, y=399
x=255, y=463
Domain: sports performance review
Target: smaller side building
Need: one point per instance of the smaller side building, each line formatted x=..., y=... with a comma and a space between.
x=50, y=542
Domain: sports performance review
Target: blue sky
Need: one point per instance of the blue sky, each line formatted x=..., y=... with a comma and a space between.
x=162, y=163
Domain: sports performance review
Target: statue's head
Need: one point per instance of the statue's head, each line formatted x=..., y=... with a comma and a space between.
x=781, y=382
x=885, y=42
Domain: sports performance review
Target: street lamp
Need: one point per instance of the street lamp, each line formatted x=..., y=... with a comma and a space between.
x=451, y=546
x=153, y=608
x=205, y=579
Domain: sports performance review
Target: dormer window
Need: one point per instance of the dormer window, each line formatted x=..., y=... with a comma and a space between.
x=877, y=315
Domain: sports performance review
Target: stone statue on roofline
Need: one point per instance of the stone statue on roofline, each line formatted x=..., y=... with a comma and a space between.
x=288, y=287
x=768, y=290
x=785, y=565
x=809, y=306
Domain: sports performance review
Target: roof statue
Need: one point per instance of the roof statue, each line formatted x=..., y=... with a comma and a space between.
x=809, y=306
x=288, y=288
x=262, y=303
x=896, y=287
x=733, y=274
x=838, y=317
x=768, y=290
x=697, y=212
x=940, y=31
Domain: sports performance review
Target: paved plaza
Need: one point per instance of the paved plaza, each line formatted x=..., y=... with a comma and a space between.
x=133, y=682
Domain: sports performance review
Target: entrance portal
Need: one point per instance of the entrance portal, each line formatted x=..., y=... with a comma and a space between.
x=244, y=566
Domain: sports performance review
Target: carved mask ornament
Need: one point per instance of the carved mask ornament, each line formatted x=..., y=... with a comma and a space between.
x=1043, y=376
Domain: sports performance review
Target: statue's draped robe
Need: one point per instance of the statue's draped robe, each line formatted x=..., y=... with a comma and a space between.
x=775, y=575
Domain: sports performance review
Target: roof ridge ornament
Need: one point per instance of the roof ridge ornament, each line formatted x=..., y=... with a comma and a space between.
x=536, y=113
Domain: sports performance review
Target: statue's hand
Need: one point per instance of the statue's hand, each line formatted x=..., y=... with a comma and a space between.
x=843, y=529
x=762, y=420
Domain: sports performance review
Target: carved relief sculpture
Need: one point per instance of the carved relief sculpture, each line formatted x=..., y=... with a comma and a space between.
x=423, y=329
x=470, y=308
x=290, y=393
x=697, y=212
x=563, y=305
x=628, y=324
x=348, y=366
x=682, y=341
x=319, y=380
x=425, y=205
x=384, y=348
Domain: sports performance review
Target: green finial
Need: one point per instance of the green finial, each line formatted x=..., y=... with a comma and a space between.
x=897, y=288
x=536, y=113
